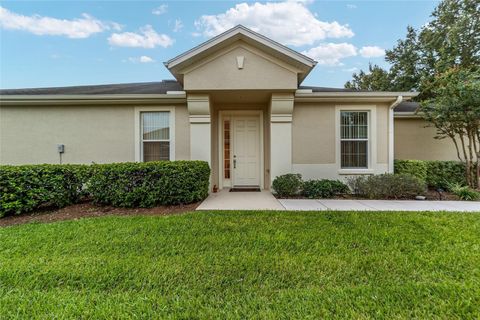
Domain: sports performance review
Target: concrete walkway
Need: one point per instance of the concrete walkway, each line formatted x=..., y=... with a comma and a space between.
x=225, y=200
x=378, y=205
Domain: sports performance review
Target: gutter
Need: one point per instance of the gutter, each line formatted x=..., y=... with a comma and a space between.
x=391, y=132
x=306, y=95
x=407, y=115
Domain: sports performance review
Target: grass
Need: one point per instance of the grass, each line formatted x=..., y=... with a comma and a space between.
x=238, y=265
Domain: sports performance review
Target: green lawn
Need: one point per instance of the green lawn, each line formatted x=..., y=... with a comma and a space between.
x=245, y=265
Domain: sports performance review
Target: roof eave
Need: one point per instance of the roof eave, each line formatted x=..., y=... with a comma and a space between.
x=174, y=97
x=406, y=115
x=333, y=96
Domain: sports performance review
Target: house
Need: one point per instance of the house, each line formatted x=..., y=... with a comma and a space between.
x=238, y=103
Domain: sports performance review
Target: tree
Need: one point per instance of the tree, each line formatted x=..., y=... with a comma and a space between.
x=376, y=79
x=450, y=39
x=454, y=110
x=404, y=57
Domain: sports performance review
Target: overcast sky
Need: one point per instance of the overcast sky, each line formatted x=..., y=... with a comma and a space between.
x=62, y=43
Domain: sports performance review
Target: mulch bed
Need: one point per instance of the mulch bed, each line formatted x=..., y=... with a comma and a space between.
x=87, y=209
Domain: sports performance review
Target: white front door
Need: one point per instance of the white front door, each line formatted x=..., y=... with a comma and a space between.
x=246, y=151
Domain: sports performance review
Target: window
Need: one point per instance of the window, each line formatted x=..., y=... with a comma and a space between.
x=155, y=129
x=354, y=139
x=226, y=149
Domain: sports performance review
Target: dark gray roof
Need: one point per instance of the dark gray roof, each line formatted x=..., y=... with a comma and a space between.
x=407, y=106
x=123, y=88
x=156, y=88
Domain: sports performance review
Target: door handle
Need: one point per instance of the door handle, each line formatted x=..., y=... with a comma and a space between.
x=234, y=163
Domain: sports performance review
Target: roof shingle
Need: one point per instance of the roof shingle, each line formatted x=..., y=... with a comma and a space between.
x=123, y=88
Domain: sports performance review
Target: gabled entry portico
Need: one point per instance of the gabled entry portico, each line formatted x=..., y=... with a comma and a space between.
x=240, y=92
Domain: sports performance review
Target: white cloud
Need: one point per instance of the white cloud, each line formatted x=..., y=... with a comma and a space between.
x=142, y=59
x=78, y=28
x=372, y=52
x=147, y=38
x=160, y=10
x=146, y=59
x=331, y=53
x=351, y=6
x=178, y=25
x=289, y=22
x=354, y=69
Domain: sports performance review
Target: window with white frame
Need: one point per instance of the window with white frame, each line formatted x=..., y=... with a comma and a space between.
x=155, y=135
x=354, y=139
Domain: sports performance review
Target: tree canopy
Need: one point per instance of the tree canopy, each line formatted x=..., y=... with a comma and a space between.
x=450, y=39
x=454, y=110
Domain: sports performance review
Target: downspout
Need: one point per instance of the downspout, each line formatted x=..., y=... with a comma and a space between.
x=391, y=149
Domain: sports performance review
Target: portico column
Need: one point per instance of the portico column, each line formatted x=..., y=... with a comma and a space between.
x=281, y=110
x=200, y=131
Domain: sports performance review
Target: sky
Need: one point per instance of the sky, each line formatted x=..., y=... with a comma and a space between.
x=64, y=43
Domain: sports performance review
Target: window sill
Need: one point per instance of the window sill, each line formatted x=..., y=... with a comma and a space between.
x=355, y=171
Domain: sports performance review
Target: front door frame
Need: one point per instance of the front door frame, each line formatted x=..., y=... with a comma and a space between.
x=223, y=114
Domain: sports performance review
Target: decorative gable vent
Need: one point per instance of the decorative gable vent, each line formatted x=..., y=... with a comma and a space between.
x=240, y=61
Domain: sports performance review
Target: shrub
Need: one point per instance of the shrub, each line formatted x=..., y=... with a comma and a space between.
x=417, y=168
x=25, y=188
x=387, y=186
x=150, y=183
x=464, y=192
x=323, y=188
x=440, y=174
x=287, y=185
x=437, y=174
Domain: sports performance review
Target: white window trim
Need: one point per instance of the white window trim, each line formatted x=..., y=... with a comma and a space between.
x=138, y=128
x=372, y=139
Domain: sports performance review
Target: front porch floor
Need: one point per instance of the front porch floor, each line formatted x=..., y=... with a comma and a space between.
x=225, y=200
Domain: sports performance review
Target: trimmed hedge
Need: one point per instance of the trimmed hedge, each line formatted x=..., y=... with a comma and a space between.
x=416, y=168
x=287, y=185
x=26, y=188
x=387, y=186
x=150, y=183
x=437, y=174
x=440, y=174
x=324, y=188
x=291, y=185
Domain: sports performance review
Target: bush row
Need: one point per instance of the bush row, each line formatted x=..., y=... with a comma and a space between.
x=290, y=185
x=150, y=183
x=387, y=186
x=382, y=186
x=437, y=174
x=26, y=188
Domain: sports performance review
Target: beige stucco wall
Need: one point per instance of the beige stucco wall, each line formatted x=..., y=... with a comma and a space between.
x=315, y=145
x=101, y=134
x=382, y=133
x=182, y=133
x=414, y=141
x=220, y=71
x=313, y=133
